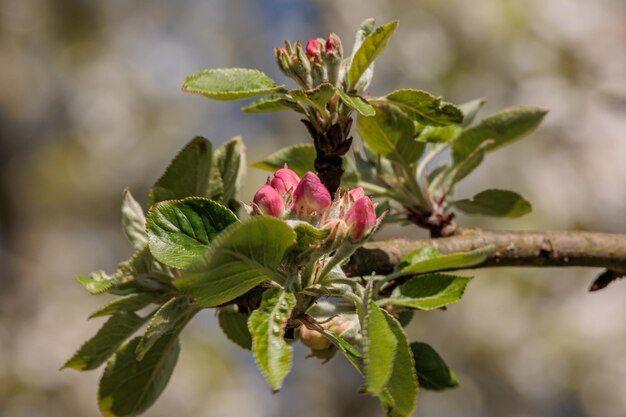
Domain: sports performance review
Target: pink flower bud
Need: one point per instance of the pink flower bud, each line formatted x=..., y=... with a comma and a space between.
x=333, y=43
x=281, y=50
x=313, y=48
x=338, y=229
x=361, y=218
x=285, y=180
x=356, y=193
x=269, y=201
x=311, y=197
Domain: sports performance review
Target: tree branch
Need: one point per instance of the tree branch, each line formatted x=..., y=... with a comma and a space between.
x=538, y=249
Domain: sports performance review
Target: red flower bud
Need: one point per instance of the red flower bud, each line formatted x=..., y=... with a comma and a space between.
x=313, y=48
x=285, y=180
x=356, y=193
x=361, y=218
x=269, y=201
x=333, y=43
x=311, y=197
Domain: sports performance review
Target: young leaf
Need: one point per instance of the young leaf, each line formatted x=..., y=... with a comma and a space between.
x=230, y=83
x=273, y=103
x=428, y=292
x=171, y=318
x=502, y=127
x=231, y=163
x=380, y=349
x=356, y=103
x=465, y=166
x=399, y=396
x=307, y=234
x=299, y=158
x=425, y=108
x=129, y=387
x=439, y=134
x=234, y=324
x=96, y=283
x=95, y=351
x=317, y=97
x=272, y=354
x=191, y=173
x=432, y=371
x=133, y=221
x=498, y=203
x=430, y=259
x=127, y=303
x=241, y=257
x=471, y=109
x=369, y=50
x=180, y=231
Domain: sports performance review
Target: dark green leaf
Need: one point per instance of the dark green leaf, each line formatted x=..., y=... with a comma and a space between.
x=499, y=203
x=230, y=83
x=356, y=103
x=231, y=163
x=400, y=393
x=300, y=159
x=129, y=387
x=95, y=351
x=425, y=108
x=380, y=349
x=171, y=318
x=432, y=371
x=133, y=221
x=272, y=354
x=191, y=173
x=428, y=292
x=127, y=303
x=235, y=326
x=241, y=257
x=369, y=50
x=430, y=259
x=180, y=231
x=502, y=127
x=273, y=103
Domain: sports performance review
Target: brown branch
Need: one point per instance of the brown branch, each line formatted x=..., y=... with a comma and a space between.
x=532, y=249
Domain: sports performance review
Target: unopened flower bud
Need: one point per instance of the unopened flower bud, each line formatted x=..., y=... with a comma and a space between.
x=361, y=218
x=338, y=229
x=333, y=45
x=284, y=181
x=356, y=193
x=311, y=197
x=269, y=201
x=314, y=49
x=313, y=339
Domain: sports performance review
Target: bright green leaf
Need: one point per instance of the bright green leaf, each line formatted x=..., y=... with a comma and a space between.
x=230, y=83
x=502, y=128
x=307, y=234
x=127, y=303
x=428, y=292
x=133, y=221
x=241, y=257
x=380, y=349
x=439, y=134
x=192, y=172
x=96, y=283
x=498, y=203
x=300, y=159
x=429, y=259
x=356, y=103
x=425, y=108
x=273, y=103
x=180, y=231
x=272, y=354
x=432, y=371
x=369, y=50
x=234, y=324
x=95, y=351
x=317, y=97
x=129, y=387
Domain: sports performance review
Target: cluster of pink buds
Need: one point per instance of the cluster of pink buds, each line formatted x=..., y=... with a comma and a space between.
x=319, y=62
x=352, y=214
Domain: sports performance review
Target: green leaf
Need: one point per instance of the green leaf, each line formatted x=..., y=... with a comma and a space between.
x=463, y=167
x=171, y=318
x=273, y=103
x=369, y=50
x=95, y=351
x=96, y=283
x=191, y=173
x=272, y=354
x=380, y=349
x=432, y=371
x=502, y=127
x=230, y=83
x=180, y=231
x=300, y=159
x=350, y=352
x=308, y=235
x=317, y=97
x=241, y=257
x=127, y=303
x=399, y=396
x=356, y=103
x=234, y=324
x=428, y=292
x=133, y=221
x=391, y=134
x=471, y=109
x=129, y=387
x=231, y=163
x=425, y=108
x=498, y=203
x=429, y=259
x=439, y=134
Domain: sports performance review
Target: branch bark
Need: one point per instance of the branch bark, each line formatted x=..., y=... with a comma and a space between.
x=532, y=249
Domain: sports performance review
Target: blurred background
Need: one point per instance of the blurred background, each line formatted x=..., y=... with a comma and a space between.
x=91, y=103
